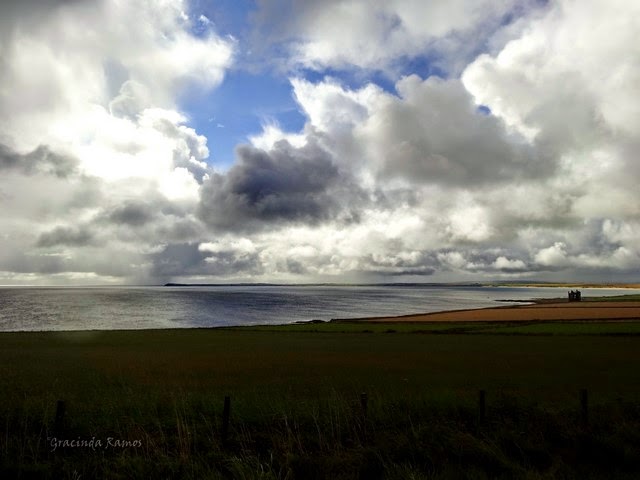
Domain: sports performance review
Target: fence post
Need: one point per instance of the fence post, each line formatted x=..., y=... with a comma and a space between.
x=58, y=424
x=226, y=413
x=482, y=407
x=584, y=407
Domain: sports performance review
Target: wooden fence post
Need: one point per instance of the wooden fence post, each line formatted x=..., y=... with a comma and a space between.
x=226, y=413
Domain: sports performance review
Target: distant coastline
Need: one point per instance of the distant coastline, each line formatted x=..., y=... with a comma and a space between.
x=535, y=284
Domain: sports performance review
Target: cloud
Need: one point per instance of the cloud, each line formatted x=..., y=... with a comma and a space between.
x=176, y=259
x=218, y=260
x=574, y=64
x=283, y=185
x=468, y=192
x=431, y=132
x=62, y=86
x=94, y=149
x=381, y=35
x=553, y=256
x=522, y=165
x=132, y=213
x=65, y=236
x=40, y=160
x=509, y=265
x=435, y=134
x=566, y=82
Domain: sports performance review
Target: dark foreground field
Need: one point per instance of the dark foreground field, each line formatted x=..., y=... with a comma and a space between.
x=149, y=404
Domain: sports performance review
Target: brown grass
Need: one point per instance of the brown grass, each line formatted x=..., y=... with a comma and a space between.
x=546, y=311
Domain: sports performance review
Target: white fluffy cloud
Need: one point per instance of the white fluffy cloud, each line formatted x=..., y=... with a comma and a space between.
x=569, y=76
x=96, y=83
x=54, y=68
x=380, y=34
x=543, y=183
x=568, y=84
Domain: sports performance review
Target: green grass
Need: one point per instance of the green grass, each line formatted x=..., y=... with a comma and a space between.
x=296, y=402
x=537, y=327
x=345, y=326
x=568, y=328
x=610, y=298
x=615, y=298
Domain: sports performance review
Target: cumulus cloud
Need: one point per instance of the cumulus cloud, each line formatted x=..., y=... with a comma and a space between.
x=220, y=259
x=513, y=188
x=93, y=147
x=133, y=213
x=565, y=84
x=380, y=35
x=283, y=185
x=39, y=160
x=523, y=165
x=460, y=191
x=431, y=132
x=65, y=236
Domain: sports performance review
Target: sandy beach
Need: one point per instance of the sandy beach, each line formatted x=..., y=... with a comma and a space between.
x=541, y=311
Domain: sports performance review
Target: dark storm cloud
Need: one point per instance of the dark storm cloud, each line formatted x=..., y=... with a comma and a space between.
x=65, y=236
x=152, y=217
x=188, y=259
x=295, y=267
x=87, y=260
x=417, y=271
x=132, y=213
x=399, y=262
x=180, y=230
x=283, y=185
x=178, y=259
x=19, y=262
x=41, y=160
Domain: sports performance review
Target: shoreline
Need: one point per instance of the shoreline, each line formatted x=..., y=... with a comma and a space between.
x=605, y=309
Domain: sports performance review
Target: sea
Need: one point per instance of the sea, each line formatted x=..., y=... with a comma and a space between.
x=116, y=308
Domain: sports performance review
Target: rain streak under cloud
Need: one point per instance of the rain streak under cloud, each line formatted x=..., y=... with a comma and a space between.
x=370, y=141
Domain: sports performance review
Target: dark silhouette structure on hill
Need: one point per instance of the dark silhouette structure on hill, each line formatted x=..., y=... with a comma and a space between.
x=575, y=296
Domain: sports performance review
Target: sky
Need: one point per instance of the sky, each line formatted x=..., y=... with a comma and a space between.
x=204, y=141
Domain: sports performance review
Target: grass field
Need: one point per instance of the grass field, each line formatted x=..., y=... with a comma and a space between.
x=630, y=297
x=622, y=328
x=615, y=298
x=618, y=328
x=295, y=401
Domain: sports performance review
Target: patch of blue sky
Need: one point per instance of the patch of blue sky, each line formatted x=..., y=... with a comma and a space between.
x=424, y=66
x=238, y=108
x=254, y=94
x=354, y=79
x=226, y=17
x=247, y=100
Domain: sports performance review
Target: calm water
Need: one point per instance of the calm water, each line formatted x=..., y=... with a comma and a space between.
x=107, y=308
